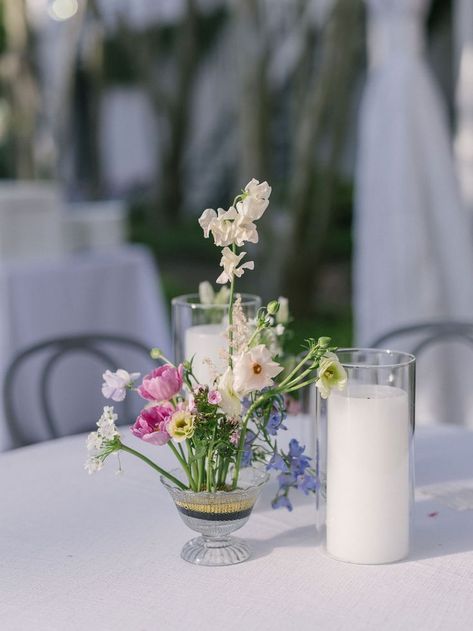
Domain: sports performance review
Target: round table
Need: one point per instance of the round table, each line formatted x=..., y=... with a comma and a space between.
x=102, y=552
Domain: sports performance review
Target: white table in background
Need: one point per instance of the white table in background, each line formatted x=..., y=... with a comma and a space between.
x=115, y=292
x=102, y=552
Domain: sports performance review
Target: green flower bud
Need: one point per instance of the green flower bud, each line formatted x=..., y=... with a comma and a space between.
x=324, y=342
x=273, y=307
x=156, y=353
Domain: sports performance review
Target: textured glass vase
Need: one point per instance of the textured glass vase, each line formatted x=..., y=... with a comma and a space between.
x=364, y=458
x=199, y=332
x=215, y=516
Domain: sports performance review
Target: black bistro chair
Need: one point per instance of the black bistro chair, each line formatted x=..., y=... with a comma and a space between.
x=455, y=340
x=101, y=350
x=417, y=338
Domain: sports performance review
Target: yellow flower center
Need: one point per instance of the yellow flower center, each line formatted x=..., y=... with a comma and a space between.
x=257, y=368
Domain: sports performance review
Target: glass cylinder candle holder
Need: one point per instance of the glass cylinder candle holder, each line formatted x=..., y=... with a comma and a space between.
x=199, y=332
x=364, y=458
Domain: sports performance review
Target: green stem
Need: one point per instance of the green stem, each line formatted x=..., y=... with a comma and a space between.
x=230, y=316
x=152, y=464
x=183, y=463
x=254, y=406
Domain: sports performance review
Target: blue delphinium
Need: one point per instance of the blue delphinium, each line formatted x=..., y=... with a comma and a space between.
x=282, y=501
x=295, y=472
x=247, y=457
x=275, y=421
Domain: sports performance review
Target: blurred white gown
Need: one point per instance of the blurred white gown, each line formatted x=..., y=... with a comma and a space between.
x=414, y=250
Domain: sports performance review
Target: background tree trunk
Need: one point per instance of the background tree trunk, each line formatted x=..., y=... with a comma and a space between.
x=323, y=119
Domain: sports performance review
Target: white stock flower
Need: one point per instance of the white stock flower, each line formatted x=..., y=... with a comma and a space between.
x=230, y=262
x=255, y=370
x=115, y=384
x=206, y=293
x=331, y=374
x=230, y=402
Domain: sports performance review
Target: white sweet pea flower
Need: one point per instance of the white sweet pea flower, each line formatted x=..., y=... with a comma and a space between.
x=206, y=220
x=206, y=293
x=220, y=224
x=230, y=262
x=115, y=384
x=230, y=401
x=255, y=370
x=331, y=374
x=256, y=200
x=244, y=228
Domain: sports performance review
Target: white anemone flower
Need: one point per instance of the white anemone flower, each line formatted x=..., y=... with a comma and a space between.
x=115, y=384
x=255, y=370
x=231, y=266
x=331, y=374
x=230, y=402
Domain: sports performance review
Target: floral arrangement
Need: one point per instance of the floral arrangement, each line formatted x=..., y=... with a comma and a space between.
x=216, y=429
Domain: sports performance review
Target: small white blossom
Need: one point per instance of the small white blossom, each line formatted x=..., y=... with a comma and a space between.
x=94, y=441
x=115, y=384
x=93, y=464
x=230, y=262
x=106, y=423
x=255, y=370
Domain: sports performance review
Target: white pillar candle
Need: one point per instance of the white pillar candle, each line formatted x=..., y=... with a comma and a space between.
x=206, y=342
x=368, y=474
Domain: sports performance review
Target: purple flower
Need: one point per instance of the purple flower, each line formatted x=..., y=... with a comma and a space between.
x=274, y=423
x=277, y=463
x=282, y=502
x=247, y=457
x=295, y=450
x=307, y=483
x=151, y=424
x=214, y=397
x=286, y=480
x=235, y=438
x=162, y=383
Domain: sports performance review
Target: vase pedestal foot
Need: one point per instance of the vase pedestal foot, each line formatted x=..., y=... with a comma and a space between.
x=215, y=551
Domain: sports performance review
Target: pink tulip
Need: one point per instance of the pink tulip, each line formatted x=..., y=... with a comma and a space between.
x=161, y=384
x=151, y=424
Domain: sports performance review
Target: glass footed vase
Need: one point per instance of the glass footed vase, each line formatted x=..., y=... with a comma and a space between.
x=215, y=516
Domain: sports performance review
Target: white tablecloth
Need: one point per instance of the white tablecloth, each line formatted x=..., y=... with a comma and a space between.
x=113, y=292
x=102, y=553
